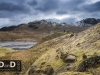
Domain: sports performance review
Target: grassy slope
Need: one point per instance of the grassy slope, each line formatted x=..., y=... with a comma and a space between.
x=24, y=32
x=74, y=73
x=21, y=35
x=87, y=42
x=26, y=56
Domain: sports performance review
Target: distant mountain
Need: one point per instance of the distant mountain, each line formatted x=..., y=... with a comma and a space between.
x=36, y=30
x=88, y=22
x=44, y=25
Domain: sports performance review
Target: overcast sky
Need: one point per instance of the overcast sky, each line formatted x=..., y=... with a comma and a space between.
x=13, y=12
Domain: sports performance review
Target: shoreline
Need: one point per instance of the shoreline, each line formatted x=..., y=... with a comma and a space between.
x=18, y=40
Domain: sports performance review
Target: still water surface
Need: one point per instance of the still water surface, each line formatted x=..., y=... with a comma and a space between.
x=19, y=45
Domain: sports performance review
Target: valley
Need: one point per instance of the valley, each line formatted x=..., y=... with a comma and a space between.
x=56, y=53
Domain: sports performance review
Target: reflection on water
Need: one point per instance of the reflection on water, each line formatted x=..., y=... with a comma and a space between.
x=17, y=45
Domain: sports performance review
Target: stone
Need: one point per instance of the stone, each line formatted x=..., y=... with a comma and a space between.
x=68, y=58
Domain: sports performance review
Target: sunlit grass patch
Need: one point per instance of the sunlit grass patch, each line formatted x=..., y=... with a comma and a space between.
x=4, y=51
x=74, y=73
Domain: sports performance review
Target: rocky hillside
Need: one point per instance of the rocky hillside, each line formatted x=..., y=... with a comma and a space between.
x=36, y=30
x=88, y=22
x=64, y=54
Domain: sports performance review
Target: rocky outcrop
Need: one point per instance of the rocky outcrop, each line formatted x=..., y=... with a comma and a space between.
x=89, y=62
x=68, y=58
x=88, y=22
x=10, y=28
x=33, y=26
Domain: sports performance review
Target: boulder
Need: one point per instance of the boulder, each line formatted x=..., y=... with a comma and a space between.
x=89, y=62
x=68, y=58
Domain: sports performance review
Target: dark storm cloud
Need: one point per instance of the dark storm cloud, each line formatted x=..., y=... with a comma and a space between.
x=58, y=5
x=71, y=5
x=11, y=7
x=92, y=7
x=61, y=12
x=33, y=3
x=28, y=10
x=5, y=14
x=47, y=5
x=14, y=1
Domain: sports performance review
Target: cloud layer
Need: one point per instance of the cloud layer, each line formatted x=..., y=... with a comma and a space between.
x=13, y=12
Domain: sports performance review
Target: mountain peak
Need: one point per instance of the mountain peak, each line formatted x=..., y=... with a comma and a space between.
x=88, y=22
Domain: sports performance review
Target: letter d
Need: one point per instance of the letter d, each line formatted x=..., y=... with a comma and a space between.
x=1, y=64
x=12, y=64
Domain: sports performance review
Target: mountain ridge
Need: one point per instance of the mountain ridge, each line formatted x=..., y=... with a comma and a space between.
x=37, y=30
